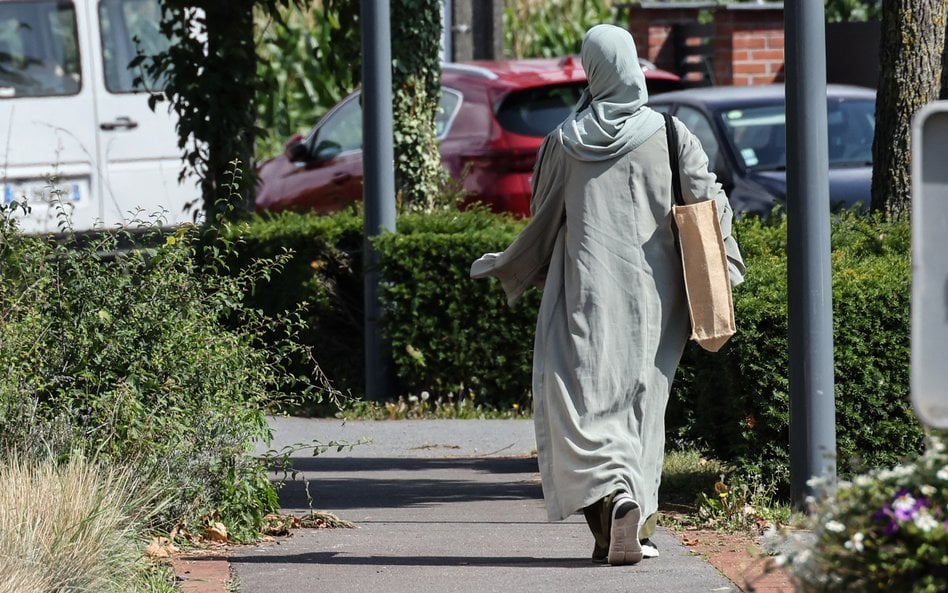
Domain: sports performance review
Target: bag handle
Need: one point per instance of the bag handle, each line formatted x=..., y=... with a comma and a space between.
x=671, y=135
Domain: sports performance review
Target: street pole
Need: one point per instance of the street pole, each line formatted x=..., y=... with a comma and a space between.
x=809, y=278
x=378, y=182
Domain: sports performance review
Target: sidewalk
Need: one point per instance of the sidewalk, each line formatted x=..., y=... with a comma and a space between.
x=442, y=506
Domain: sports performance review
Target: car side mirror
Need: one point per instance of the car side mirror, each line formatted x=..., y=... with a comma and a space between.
x=295, y=149
x=326, y=150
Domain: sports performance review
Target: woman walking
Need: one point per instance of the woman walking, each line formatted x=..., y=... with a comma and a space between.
x=613, y=320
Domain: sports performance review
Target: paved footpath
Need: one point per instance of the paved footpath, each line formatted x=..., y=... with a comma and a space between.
x=450, y=506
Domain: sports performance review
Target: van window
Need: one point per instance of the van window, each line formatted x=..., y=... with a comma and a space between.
x=130, y=27
x=39, y=51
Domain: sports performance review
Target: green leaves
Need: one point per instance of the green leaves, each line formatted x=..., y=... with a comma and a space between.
x=145, y=357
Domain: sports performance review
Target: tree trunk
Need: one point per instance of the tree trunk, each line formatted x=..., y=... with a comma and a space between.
x=913, y=38
x=231, y=114
x=943, y=95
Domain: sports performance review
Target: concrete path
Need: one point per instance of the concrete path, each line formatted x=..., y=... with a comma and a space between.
x=441, y=507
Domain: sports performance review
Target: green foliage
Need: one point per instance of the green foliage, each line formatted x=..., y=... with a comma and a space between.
x=451, y=335
x=146, y=358
x=736, y=403
x=440, y=341
x=852, y=10
x=302, y=69
x=416, y=90
x=552, y=28
x=424, y=406
x=321, y=278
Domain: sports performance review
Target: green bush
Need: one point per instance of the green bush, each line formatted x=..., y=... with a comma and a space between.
x=450, y=334
x=552, y=28
x=321, y=278
x=736, y=402
x=146, y=358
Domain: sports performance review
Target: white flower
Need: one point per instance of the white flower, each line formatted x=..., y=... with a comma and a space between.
x=835, y=526
x=855, y=542
x=802, y=558
x=780, y=560
x=863, y=481
x=904, y=471
x=943, y=473
x=906, y=502
x=924, y=520
x=928, y=490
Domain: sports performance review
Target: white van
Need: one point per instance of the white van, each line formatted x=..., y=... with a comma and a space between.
x=74, y=128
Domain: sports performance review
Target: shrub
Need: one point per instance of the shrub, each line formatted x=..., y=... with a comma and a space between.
x=885, y=530
x=146, y=358
x=736, y=403
x=321, y=276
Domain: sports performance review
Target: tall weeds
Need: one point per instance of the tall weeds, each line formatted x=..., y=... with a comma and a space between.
x=72, y=526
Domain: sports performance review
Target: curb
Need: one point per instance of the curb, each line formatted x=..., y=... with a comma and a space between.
x=196, y=574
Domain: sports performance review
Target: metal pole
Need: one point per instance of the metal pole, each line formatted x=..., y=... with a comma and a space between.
x=447, y=31
x=812, y=405
x=379, y=182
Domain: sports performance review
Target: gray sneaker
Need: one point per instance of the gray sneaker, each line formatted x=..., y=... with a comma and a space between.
x=624, y=546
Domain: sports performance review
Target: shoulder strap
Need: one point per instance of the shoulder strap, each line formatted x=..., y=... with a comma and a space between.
x=671, y=134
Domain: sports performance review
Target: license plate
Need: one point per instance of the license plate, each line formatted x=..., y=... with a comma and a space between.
x=41, y=193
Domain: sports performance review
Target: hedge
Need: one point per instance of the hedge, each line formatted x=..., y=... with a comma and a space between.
x=450, y=334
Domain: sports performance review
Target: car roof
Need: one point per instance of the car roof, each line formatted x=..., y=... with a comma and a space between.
x=524, y=72
x=535, y=71
x=723, y=96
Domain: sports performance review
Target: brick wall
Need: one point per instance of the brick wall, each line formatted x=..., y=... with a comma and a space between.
x=746, y=40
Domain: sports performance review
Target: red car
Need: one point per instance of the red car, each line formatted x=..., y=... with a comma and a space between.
x=492, y=120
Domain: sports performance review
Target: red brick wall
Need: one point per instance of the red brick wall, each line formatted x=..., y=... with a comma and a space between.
x=747, y=40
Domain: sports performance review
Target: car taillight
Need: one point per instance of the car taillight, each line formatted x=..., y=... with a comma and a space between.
x=504, y=161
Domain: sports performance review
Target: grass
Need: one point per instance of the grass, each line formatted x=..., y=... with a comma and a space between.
x=74, y=526
x=708, y=494
x=424, y=407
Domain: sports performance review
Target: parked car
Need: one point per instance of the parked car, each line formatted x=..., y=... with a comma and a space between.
x=743, y=130
x=493, y=116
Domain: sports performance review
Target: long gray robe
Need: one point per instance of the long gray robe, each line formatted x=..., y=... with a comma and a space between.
x=613, y=321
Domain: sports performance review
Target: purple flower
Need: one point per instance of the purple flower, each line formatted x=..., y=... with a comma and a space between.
x=887, y=515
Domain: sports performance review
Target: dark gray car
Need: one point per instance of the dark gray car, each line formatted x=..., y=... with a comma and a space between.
x=743, y=130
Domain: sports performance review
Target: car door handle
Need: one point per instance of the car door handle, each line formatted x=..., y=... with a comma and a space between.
x=121, y=122
x=341, y=178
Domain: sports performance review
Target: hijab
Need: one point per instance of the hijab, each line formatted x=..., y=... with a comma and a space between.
x=611, y=118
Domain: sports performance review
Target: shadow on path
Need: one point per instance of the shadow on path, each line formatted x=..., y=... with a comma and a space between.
x=359, y=483
x=333, y=558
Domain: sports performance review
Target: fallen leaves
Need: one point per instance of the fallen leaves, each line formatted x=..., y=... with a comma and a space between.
x=160, y=547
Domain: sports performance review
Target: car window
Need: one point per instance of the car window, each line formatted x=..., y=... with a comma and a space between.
x=537, y=111
x=130, y=27
x=342, y=129
x=851, y=130
x=759, y=135
x=699, y=125
x=448, y=107
x=39, y=51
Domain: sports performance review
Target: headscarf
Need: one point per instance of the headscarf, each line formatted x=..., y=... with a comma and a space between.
x=611, y=118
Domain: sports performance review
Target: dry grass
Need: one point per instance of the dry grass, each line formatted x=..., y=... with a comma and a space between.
x=69, y=527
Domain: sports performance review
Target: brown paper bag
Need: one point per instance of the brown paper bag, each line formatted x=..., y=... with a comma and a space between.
x=707, y=283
